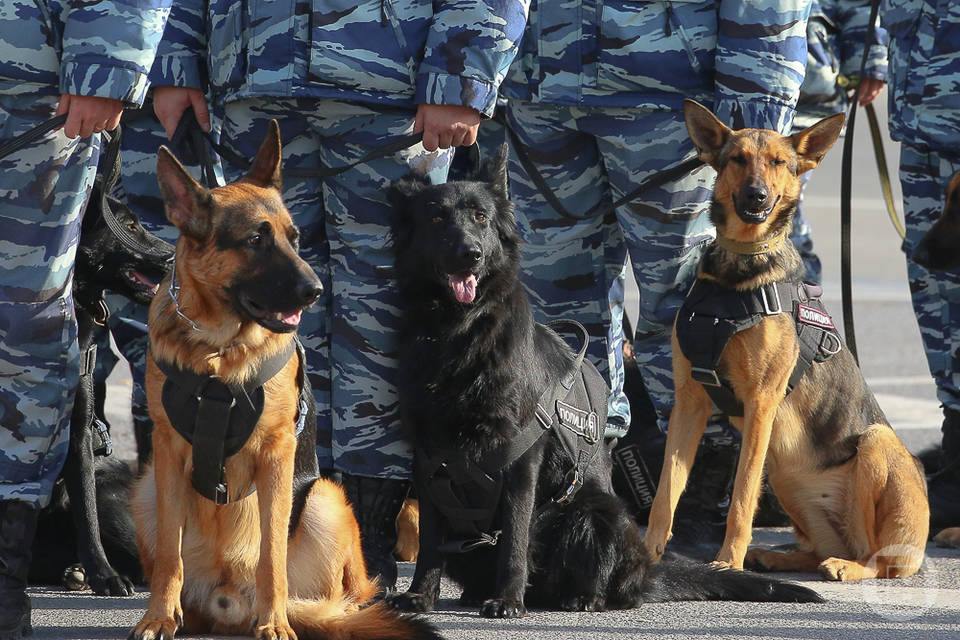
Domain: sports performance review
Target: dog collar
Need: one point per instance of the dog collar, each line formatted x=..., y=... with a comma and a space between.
x=752, y=248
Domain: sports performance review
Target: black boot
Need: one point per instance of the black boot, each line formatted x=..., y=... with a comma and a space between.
x=376, y=503
x=701, y=517
x=943, y=486
x=18, y=524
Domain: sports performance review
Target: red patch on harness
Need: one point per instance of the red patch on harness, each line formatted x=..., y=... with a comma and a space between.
x=814, y=316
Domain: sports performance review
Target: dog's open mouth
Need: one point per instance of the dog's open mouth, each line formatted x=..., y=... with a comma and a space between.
x=464, y=285
x=756, y=215
x=140, y=283
x=276, y=321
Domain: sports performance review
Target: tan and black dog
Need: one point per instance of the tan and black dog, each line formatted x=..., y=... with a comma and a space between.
x=269, y=549
x=856, y=496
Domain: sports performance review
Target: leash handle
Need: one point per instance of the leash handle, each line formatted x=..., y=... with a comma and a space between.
x=34, y=134
x=190, y=141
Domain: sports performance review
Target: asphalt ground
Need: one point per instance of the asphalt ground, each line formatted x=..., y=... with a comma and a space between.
x=925, y=606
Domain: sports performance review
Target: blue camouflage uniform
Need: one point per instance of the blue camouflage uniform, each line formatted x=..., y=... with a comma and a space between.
x=49, y=48
x=924, y=107
x=836, y=35
x=343, y=77
x=596, y=94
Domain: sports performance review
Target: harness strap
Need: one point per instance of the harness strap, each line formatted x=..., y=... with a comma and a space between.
x=711, y=315
x=217, y=418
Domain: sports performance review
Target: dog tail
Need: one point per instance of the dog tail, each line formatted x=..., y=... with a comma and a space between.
x=328, y=620
x=679, y=579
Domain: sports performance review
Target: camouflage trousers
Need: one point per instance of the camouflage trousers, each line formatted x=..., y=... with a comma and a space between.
x=45, y=187
x=924, y=177
x=800, y=237
x=573, y=268
x=344, y=223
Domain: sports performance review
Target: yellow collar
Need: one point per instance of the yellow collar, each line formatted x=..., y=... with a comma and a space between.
x=752, y=248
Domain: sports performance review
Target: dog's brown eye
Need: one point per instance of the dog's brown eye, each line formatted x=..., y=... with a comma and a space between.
x=778, y=163
x=437, y=219
x=480, y=216
x=132, y=227
x=741, y=160
x=254, y=240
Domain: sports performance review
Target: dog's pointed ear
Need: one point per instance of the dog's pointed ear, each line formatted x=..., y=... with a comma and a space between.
x=813, y=142
x=187, y=201
x=266, y=168
x=496, y=171
x=705, y=129
x=403, y=190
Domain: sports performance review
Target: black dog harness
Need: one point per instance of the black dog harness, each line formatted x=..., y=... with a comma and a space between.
x=218, y=419
x=712, y=314
x=467, y=490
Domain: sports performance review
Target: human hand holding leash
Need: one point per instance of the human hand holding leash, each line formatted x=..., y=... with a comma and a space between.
x=169, y=103
x=87, y=115
x=868, y=90
x=446, y=125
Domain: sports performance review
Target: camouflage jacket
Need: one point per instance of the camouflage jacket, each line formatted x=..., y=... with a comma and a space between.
x=103, y=49
x=399, y=52
x=924, y=72
x=836, y=35
x=745, y=59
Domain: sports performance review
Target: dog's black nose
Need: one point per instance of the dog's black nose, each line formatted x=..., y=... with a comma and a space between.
x=471, y=254
x=309, y=291
x=755, y=195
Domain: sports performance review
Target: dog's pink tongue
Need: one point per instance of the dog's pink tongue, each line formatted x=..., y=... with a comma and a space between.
x=292, y=318
x=464, y=286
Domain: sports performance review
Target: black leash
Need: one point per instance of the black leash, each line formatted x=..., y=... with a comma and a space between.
x=192, y=131
x=658, y=179
x=846, y=192
x=31, y=136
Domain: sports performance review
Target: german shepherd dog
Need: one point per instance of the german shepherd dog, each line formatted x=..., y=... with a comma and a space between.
x=95, y=489
x=473, y=364
x=939, y=249
x=855, y=495
x=282, y=558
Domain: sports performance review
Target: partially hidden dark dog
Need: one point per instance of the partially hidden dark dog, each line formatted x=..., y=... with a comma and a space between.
x=474, y=367
x=939, y=249
x=237, y=533
x=748, y=333
x=89, y=517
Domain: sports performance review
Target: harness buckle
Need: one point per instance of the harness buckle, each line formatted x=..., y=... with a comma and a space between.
x=222, y=497
x=705, y=376
x=767, y=309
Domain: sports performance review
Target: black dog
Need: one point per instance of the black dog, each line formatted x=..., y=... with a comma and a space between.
x=115, y=252
x=473, y=369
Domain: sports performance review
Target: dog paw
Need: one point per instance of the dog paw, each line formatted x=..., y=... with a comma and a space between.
x=839, y=570
x=276, y=631
x=583, y=603
x=722, y=564
x=111, y=585
x=948, y=538
x=409, y=601
x=155, y=629
x=500, y=608
x=755, y=560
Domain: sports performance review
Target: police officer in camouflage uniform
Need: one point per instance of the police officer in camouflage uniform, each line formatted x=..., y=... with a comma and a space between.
x=836, y=34
x=925, y=117
x=87, y=60
x=343, y=77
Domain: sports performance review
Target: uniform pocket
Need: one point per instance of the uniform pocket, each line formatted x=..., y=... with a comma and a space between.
x=656, y=46
x=370, y=45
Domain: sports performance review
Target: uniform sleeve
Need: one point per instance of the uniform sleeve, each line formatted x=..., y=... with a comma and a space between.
x=182, y=53
x=468, y=50
x=109, y=46
x=852, y=18
x=761, y=56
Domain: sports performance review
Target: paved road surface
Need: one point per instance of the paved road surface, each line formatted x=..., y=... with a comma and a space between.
x=926, y=606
